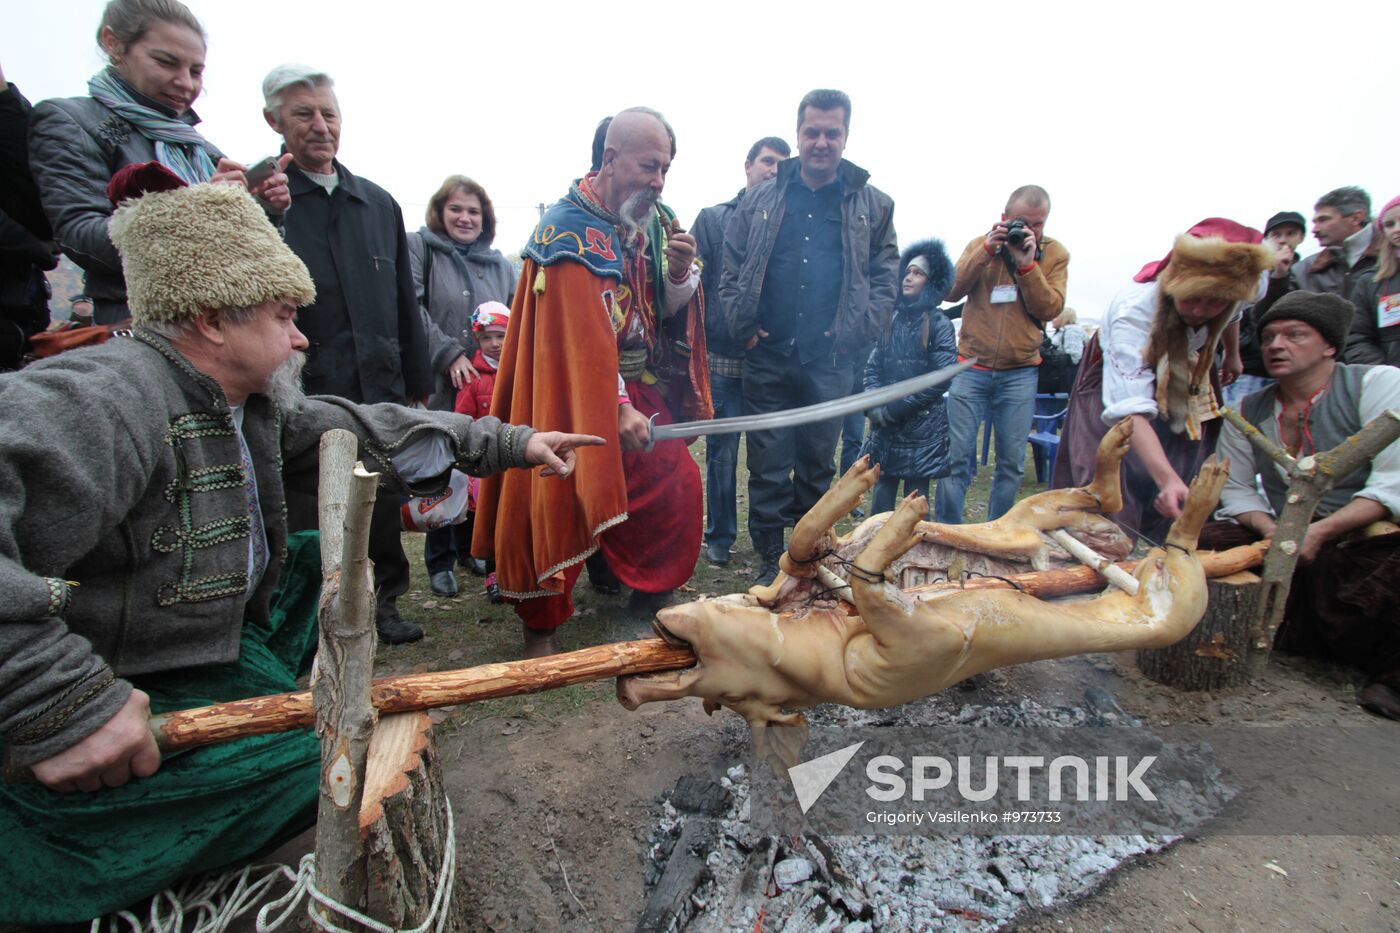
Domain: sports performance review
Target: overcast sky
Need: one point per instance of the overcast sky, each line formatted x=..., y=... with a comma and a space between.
x=1140, y=119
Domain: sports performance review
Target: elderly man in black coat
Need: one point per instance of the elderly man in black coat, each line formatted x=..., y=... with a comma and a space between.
x=366, y=336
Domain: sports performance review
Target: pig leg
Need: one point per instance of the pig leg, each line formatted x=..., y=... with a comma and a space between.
x=1106, y=487
x=1200, y=502
x=812, y=536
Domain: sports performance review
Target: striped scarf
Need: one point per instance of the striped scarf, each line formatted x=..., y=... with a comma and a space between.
x=179, y=147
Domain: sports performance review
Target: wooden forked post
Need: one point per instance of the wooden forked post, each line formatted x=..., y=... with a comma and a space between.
x=1310, y=478
x=382, y=825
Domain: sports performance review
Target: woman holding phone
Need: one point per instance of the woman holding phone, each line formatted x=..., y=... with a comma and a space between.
x=138, y=110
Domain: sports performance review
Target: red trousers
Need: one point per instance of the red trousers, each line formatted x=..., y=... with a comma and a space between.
x=656, y=548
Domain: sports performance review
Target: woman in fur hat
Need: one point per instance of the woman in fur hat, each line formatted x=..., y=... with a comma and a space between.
x=909, y=437
x=1154, y=360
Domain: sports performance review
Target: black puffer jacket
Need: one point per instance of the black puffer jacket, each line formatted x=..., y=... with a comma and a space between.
x=909, y=437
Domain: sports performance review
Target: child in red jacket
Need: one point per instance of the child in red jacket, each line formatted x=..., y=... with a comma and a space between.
x=489, y=323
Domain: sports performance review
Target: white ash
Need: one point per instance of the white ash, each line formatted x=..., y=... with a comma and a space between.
x=864, y=884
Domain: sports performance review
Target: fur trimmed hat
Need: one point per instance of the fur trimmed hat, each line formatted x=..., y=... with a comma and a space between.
x=1214, y=267
x=204, y=247
x=932, y=257
x=1330, y=314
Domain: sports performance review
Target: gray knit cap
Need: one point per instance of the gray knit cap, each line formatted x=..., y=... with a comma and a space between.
x=1329, y=313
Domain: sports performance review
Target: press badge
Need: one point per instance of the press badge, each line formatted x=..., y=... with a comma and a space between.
x=1001, y=294
x=1387, y=311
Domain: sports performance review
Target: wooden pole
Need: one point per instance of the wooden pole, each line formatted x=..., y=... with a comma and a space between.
x=345, y=717
x=1310, y=478
x=260, y=715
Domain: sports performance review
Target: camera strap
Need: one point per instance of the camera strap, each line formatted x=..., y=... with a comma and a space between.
x=1010, y=264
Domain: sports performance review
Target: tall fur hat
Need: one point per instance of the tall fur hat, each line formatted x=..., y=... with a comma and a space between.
x=1214, y=267
x=186, y=250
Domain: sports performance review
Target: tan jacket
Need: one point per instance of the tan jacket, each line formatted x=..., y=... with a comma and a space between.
x=1002, y=336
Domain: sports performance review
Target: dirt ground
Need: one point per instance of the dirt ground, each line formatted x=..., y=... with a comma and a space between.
x=556, y=794
x=556, y=797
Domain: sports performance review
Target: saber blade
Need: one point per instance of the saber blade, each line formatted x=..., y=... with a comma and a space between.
x=791, y=417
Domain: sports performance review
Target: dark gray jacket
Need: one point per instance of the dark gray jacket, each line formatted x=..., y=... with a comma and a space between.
x=870, y=266
x=459, y=284
x=365, y=327
x=1368, y=342
x=1327, y=270
x=76, y=145
x=137, y=493
x=708, y=231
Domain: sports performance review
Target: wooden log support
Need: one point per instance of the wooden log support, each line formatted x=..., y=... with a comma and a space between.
x=405, y=826
x=345, y=717
x=1215, y=655
x=1310, y=478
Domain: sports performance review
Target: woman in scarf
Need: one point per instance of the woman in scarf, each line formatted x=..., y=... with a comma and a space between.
x=909, y=437
x=138, y=111
x=1154, y=360
x=456, y=271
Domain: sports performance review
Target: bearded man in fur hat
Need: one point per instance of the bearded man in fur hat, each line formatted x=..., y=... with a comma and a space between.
x=146, y=563
x=1154, y=360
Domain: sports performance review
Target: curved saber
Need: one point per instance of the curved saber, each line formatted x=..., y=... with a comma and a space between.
x=791, y=417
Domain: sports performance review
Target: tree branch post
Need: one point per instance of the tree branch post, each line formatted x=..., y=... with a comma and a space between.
x=345, y=716
x=1310, y=478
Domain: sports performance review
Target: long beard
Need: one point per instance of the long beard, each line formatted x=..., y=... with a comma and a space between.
x=632, y=225
x=284, y=386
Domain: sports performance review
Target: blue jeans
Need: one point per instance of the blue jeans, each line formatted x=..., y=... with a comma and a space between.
x=852, y=437
x=1008, y=397
x=721, y=464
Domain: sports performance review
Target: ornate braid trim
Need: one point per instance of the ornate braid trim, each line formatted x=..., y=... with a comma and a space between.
x=203, y=589
x=199, y=424
x=58, y=595
x=90, y=686
x=168, y=539
x=205, y=479
x=564, y=564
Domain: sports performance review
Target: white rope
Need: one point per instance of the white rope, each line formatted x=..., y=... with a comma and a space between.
x=305, y=886
x=240, y=893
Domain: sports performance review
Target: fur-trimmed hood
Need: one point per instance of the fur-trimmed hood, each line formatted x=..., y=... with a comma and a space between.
x=940, y=278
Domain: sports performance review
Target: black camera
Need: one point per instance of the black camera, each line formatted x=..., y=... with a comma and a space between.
x=1016, y=233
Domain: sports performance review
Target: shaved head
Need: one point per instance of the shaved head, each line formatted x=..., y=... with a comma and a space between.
x=638, y=127
x=637, y=155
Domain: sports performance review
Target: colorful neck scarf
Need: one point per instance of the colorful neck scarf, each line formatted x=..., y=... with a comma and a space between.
x=179, y=147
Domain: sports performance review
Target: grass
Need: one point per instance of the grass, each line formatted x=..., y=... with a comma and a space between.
x=467, y=631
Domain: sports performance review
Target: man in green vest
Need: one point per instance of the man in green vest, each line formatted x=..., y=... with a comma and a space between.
x=1342, y=601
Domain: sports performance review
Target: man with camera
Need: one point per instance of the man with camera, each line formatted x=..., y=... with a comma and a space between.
x=1014, y=280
